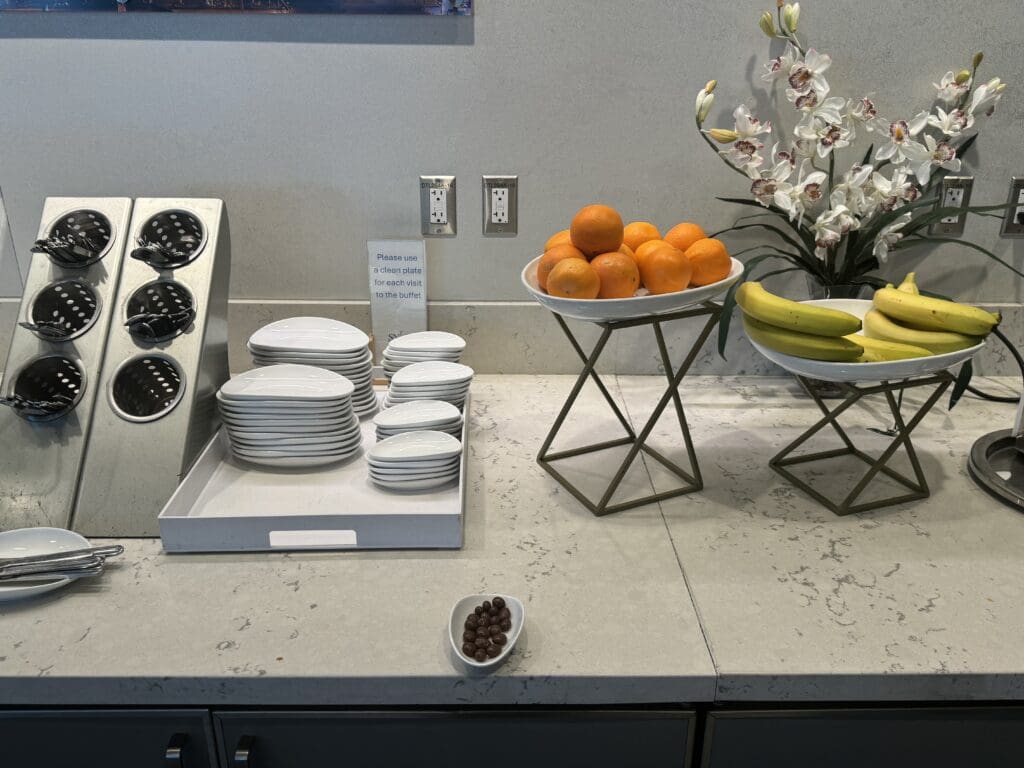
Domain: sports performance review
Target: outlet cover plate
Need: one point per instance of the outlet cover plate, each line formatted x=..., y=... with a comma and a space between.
x=1013, y=219
x=954, y=191
x=501, y=206
x=437, y=206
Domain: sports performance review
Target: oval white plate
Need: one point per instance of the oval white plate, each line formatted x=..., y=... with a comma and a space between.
x=287, y=381
x=893, y=370
x=422, y=413
x=600, y=310
x=25, y=542
x=414, y=485
x=434, y=372
x=310, y=334
x=440, y=464
x=348, y=358
x=457, y=623
x=293, y=440
x=264, y=408
x=419, y=357
x=437, y=341
x=416, y=446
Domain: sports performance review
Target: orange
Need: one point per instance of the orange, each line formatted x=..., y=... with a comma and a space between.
x=682, y=236
x=628, y=251
x=710, y=261
x=552, y=257
x=666, y=270
x=596, y=229
x=637, y=233
x=647, y=248
x=618, y=274
x=559, y=238
x=574, y=279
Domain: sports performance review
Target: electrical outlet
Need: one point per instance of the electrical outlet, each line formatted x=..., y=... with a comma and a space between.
x=954, y=192
x=501, y=206
x=1013, y=219
x=437, y=206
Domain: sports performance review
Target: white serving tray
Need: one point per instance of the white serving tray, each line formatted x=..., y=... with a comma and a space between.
x=225, y=505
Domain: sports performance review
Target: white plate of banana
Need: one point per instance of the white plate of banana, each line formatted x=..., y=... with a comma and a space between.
x=899, y=334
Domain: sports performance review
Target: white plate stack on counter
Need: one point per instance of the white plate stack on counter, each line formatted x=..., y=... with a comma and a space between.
x=421, y=347
x=415, y=461
x=433, y=380
x=418, y=415
x=324, y=343
x=290, y=416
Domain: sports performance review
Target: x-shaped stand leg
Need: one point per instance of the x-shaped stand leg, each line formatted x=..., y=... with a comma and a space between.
x=917, y=486
x=637, y=442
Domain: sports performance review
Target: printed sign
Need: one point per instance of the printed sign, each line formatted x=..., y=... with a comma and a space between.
x=398, y=289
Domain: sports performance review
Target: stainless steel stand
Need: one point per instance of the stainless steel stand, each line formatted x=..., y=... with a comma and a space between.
x=692, y=480
x=917, y=487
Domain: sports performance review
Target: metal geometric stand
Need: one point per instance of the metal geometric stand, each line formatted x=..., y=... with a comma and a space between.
x=917, y=487
x=692, y=480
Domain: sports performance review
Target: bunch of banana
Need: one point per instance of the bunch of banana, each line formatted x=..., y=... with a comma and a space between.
x=793, y=328
x=903, y=316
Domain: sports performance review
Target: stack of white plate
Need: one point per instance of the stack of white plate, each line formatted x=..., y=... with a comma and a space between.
x=434, y=380
x=414, y=461
x=322, y=342
x=419, y=415
x=290, y=416
x=422, y=346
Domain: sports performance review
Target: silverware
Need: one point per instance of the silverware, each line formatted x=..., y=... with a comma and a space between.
x=77, y=573
x=70, y=555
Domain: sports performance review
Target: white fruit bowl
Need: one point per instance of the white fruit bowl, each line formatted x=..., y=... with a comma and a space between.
x=893, y=370
x=606, y=310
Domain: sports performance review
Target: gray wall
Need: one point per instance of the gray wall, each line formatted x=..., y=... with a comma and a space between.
x=313, y=129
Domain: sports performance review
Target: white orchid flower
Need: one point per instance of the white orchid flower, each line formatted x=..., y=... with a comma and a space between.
x=794, y=199
x=986, y=96
x=888, y=236
x=892, y=193
x=748, y=126
x=764, y=187
x=853, y=191
x=863, y=112
x=829, y=229
x=933, y=154
x=949, y=90
x=951, y=123
x=780, y=66
x=806, y=75
x=901, y=135
x=744, y=155
x=828, y=136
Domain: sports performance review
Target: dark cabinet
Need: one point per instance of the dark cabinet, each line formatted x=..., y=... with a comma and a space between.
x=981, y=737
x=496, y=739
x=106, y=739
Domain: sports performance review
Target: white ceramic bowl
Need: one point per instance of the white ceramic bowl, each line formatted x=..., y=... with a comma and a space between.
x=893, y=370
x=456, y=626
x=603, y=310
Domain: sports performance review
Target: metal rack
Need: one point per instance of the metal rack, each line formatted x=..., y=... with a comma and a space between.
x=691, y=479
x=917, y=487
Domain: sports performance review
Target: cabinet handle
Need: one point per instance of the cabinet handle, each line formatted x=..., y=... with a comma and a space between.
x=242, y=751
x=174, y=755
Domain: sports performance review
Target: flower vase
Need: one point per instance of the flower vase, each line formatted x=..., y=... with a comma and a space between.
x=818, y=290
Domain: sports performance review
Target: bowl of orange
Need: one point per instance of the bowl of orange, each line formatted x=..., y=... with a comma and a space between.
x=602, y=270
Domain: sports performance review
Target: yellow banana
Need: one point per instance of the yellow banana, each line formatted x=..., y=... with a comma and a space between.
x=909, y=284
x=878, y=326
x=832, y=348
x=761, y=305
x=928, y=314
x=880, y=351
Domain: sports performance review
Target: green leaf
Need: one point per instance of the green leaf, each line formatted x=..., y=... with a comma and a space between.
x=789, y=239
x=917, y=239
x=729, y=300
x=867, y=155
x=968, y=143
x=963, y=379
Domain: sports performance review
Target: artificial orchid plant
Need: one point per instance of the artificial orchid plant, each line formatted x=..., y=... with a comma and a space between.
x=834, y=221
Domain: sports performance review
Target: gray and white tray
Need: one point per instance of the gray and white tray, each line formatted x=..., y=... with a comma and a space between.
x=226, y=505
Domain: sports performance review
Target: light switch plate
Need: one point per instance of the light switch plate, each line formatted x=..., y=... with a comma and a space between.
x=1013, y=219
x=501, y=206
x=954, y=192
x=437, y=206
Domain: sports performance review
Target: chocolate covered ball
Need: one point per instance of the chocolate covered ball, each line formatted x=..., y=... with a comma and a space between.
x=494, y=629
x=469, y=649
x=484, y=620
x=480, y=655
x=498, y=602
x=493, y=651
x=478, y=610
x=481, y=632
x=469, y=636
x=506, y=625
x=471, y=622
x=485, y=607
x=499, y=639
x=482, y=642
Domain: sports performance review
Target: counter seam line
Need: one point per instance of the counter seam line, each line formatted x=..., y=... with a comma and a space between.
x=672, y=542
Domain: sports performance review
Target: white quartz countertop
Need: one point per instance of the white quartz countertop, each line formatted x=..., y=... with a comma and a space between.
x=747, y=591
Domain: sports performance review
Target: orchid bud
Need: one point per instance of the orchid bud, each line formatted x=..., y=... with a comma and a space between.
x=710, y=87
x=779, y=3
x=723, y=135
x=705, y=108
x=790, y=17
x=962, y=77
x=767, y=24
x=976, y=61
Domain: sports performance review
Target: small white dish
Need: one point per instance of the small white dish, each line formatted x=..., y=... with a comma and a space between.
x=310, y=334
x=287, y=382
x=432, y=479
x=414, y=485
x=457, y=624
x=419, y=357
x=438, y=464
x=25, y=542
x=435, y=341
x=298, y=462
x=415, y=446
x=293, y=441
x=435, y=372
